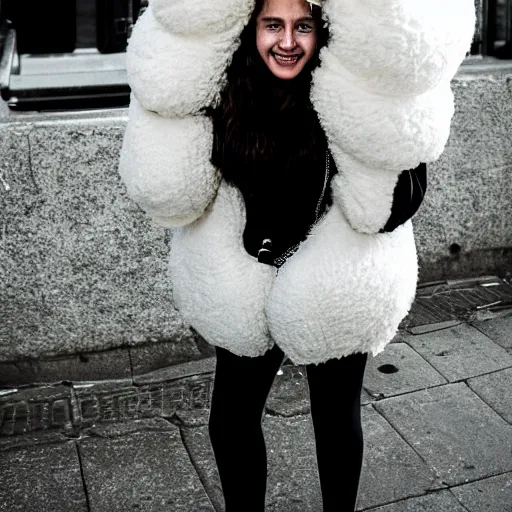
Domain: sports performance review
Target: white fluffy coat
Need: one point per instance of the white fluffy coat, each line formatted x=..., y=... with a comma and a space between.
x=383, y=97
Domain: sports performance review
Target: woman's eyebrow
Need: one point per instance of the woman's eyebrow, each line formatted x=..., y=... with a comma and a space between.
x=273, y=19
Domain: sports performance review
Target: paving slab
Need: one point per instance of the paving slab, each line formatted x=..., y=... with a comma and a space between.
x=498, y=329
x=289, y=395
x=496, y=390
x=17, y=374
x=124, y=428
x=177, y=371
x=401, y=336
x=293, y=483
x=103, y=365
x=397, y=370
x=454, y=431
x=461, y=352
x=146, y=470
x=42, y=478
x=194, y=418
x=366, y=398
x=392, y=470
x=32, y=439
x=197, y=441
x=154, y=356
x=490, y=495
x=440, y=501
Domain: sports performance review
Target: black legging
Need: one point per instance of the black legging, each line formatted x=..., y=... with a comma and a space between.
x=240, y=391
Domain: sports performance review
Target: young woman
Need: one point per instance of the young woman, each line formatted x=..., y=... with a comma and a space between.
x=289, y=155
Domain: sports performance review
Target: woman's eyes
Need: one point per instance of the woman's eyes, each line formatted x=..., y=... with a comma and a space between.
x=306, y=27
x=303, y=27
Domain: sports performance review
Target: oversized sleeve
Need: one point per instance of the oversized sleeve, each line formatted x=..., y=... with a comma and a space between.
x=383, y=95
x=165, y=165
x=176, y=61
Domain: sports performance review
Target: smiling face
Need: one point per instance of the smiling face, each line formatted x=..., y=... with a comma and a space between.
x=286, y=36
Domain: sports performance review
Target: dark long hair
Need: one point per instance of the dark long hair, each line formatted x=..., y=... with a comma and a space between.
x=260, y=118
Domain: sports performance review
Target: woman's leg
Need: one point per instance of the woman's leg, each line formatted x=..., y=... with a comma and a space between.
x=240, y=391
x=335, y=394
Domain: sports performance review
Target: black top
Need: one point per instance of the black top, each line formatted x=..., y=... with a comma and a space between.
x=281, y=199
x=282, y=207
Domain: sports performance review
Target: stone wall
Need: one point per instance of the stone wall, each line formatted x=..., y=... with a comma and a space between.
x=83, y=269
x=463, y=227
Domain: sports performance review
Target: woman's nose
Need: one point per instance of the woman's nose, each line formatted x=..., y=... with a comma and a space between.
x=288, y=40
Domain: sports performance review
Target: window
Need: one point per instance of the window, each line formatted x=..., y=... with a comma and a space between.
x=496, y=32
x=65, y=54
x=70, y=54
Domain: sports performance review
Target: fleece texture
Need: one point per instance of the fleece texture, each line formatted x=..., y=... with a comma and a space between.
x=383, y=93
x=217, y=286
x=383, y=97
x=359, y=287
x=165, y=165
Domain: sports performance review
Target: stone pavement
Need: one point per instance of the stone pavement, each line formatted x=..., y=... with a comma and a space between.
x=437, y=417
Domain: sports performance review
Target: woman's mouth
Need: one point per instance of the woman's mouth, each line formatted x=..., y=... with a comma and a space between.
x=290, y=60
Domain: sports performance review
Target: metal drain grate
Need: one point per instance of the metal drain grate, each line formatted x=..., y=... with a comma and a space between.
x=446, y=303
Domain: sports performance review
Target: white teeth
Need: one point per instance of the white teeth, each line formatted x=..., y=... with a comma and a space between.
x=286, y=59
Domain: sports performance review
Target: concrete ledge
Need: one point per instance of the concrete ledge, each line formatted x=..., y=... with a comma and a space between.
x=142, y=364
x=84, y=270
